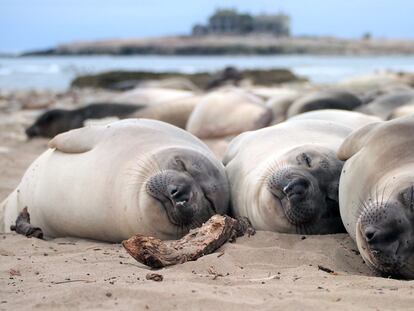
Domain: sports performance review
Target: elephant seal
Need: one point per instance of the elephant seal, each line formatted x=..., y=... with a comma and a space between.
x=228, y=112
x=56, y=121
x=130, y=177
x=371, y=95
x=175, y=112
x=384, y=105
x=376, y=194
x=150, y=95
x=280, y=105
x=402, y=111
x=330, y=99
x=284, y=178
x=352, y=119
x=376, y=81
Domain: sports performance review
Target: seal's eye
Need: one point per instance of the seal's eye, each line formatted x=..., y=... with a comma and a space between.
x=180, y=164
x=407, y=197
x=305, y=158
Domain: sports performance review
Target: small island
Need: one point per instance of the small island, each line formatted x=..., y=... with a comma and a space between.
x=229, y=32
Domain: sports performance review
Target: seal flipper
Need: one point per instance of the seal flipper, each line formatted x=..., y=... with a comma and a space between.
x=77, y=141
x=356, y=140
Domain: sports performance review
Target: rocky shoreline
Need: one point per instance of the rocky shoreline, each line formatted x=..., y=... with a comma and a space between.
x=121, y=80
x=232, y=45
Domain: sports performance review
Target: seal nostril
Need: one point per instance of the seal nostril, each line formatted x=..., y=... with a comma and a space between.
x=297, y=186
x=173, y=191
x=369, y=234
x=179, y=194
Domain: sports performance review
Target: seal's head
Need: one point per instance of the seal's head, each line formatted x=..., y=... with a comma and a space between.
x=305, y=188
x=189, y=187
x=385, y=232
x=54, y=122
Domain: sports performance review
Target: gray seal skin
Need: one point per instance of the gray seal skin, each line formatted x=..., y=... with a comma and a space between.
x=376, y=194
x=110, y=182
x=384, y=105
x=284, y=178
x=330, y=99
x=56, y=121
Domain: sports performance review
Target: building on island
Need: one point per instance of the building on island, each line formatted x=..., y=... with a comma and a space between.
x=231, y=22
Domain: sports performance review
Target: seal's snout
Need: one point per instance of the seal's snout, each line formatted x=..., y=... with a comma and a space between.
x=179, y=194
x=384, y=234
x=296, y=189
x=383, y=244
x=295, y=192
x=31, y=132
x=370, y=234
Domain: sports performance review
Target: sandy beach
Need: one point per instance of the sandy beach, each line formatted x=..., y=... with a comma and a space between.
x=267, y=271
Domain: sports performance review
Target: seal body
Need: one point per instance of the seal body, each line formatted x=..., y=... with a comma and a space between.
x=402, y=111
x=56, y=121
x=175, y=112
x=376, y=194
x=384, y=105
x=129, y=177
x=330, y=99
x=151, y=95
x=280, y=105
x=228, y=113
x=351, y=119
x=284, y=178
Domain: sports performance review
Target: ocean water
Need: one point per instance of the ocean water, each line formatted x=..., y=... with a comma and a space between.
x=56, y=72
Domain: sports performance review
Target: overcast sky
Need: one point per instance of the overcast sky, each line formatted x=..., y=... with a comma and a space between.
x=32, y=24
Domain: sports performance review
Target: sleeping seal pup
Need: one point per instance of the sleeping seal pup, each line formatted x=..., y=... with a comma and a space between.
x=111, y=182
x=284, y=178
x=376, y=194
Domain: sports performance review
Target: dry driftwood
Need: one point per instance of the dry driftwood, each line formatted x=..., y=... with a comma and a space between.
x=198, y=242
x=24, y=227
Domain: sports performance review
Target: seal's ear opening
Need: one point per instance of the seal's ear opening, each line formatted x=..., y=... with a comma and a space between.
x=356, y=140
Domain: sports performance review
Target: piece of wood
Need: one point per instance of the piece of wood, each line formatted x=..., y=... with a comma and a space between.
x=198, y=242
x=24, y=227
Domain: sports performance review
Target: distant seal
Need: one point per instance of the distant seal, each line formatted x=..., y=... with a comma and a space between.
x=402, y=111
x=330, y=99
x=371, y=95
x=352, y=119
x=129, y=177
x=280, y=105
x=376, y=81
x=384, y=105
x=376, y=194
x=284, y=178
x=151, y=95
x=228, y=113
x=56, y=121
x=175, y=112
